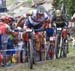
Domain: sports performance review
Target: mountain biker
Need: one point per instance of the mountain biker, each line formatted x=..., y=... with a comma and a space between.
x=21, y=19
x=38, y=21
x=59, y=21
x=6, y=44
x=19, y=43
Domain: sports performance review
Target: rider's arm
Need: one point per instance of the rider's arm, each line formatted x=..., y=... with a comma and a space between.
x=65, y=20
x=28, y=14
x=19, y=21
x=52, y=21
x=46, y=22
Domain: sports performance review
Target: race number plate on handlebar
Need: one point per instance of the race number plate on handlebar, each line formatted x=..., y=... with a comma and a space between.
x=59, y=29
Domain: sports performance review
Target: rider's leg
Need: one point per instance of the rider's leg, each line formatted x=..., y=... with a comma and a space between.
x=65, y=49
x=62, y=48
x=38, y=45
x=61, y=52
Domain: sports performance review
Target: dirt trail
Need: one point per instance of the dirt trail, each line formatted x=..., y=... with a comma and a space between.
x=64, y=64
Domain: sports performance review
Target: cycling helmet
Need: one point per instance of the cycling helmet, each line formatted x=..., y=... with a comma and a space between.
x=31, y=12
x=58, y=12
x=40, y=10
x=6, y=18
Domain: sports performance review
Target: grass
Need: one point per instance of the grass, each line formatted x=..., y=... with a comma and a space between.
x=64, y=64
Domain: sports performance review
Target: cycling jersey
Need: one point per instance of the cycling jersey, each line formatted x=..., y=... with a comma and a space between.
x=49, y=31
x=32, y=21
x=64, y=33
x=59, y=21
x=36, y=23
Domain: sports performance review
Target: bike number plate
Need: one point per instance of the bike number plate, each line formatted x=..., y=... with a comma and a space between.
x=59, y=29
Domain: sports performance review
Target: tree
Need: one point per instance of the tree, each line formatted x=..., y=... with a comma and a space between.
x=69, y=5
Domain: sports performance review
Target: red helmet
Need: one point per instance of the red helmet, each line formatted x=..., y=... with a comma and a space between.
x=6, y=19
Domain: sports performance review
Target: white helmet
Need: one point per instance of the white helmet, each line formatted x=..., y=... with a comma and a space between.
x=40, y=10
x=58, y=12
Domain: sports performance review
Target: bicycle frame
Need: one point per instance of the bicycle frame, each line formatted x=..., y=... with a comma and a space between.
x=58, y=31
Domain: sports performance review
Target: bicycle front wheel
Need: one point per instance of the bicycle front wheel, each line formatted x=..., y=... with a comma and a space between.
x=30, y=54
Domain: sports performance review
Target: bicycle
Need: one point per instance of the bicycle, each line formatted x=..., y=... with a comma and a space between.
x=64, y=48
x=59, y=42
x=30, y=48
x=63, y=52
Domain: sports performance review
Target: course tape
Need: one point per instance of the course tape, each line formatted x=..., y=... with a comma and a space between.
x=13, y=50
